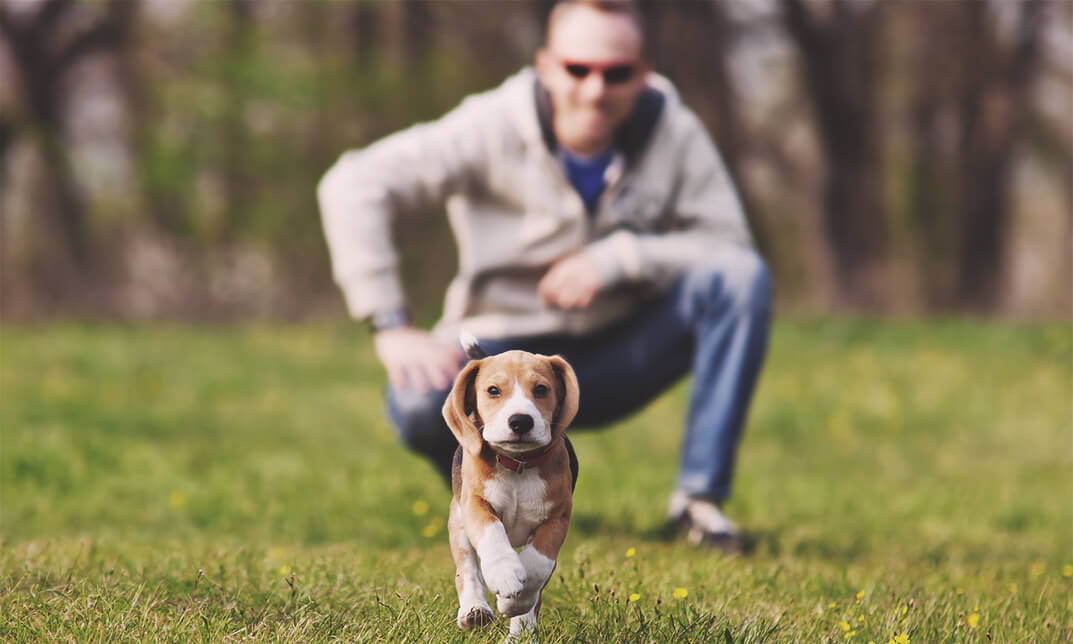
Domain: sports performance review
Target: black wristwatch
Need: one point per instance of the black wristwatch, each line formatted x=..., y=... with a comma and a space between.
x=384, y=320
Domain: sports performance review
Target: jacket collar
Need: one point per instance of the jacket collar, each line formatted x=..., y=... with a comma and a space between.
x=630, y=138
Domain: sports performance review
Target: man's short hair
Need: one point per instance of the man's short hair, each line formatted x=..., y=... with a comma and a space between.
x=626, y=8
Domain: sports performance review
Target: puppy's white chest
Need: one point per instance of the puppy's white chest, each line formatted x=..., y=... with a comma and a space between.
x=520, y=502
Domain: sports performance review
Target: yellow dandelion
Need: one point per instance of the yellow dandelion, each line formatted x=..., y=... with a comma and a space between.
x=680, y=593
x=860, y=619
x=844, y=625
x=860, y=594
x=630, y=552
x=420, y=508
x=634, y=597
x=974, y=619
x=177, y=500
x=850, y=634
x=1013, y=588
x=284, y=571
x=1067, y=571
x=902, y=639
x=833, y=605
x=1037, y=569
x=431, y=529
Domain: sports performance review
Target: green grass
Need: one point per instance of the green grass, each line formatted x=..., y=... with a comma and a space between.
x=175, y=483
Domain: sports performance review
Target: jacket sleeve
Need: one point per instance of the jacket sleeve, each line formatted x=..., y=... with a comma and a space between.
x=365, y=189
x=705, y=215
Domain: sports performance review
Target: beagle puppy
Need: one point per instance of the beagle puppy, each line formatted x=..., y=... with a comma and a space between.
x=512, y=481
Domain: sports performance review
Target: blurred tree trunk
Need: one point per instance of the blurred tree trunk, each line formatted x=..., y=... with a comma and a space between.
x=404, y=31
x=7, y=138
x=931, y=200
x=977, y=90
x=994, y=106
x=45, y=46
x=417, y=31
x=236, y=182
x=840, y=52
x=363, y=27
x=314, y=21
x=166, y=209
x=541, y=9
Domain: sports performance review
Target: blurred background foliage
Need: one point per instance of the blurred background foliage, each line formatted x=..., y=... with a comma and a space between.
x=158, y=159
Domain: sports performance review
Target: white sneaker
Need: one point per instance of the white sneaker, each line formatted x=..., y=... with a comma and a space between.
x=704, y=523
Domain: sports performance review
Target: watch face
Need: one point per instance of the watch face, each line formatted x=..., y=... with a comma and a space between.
x=390, y=320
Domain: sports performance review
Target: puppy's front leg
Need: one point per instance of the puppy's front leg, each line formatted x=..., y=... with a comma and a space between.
x=503, y=570
x=539, y=558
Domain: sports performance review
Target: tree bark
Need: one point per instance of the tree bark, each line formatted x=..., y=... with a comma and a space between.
x=42, y=60
x=233, y=129
x=993, y=117
x=842, y=66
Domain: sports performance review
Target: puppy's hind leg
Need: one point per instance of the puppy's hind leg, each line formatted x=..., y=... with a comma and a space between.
x=523, y=627
x=473, y=608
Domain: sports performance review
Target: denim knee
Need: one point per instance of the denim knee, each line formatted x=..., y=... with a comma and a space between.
x=736, y=279
x=418, y=419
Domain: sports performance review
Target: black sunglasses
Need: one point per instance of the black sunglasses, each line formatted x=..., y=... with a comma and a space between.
x=614, y=73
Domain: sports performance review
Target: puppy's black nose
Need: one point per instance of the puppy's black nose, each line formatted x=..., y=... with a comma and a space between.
x=520, y=423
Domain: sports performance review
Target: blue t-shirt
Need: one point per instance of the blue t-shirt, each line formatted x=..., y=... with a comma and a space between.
x=587, y=175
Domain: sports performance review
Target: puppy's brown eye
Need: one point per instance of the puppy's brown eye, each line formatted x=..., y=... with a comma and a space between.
x=494, y=392
x=540, y=391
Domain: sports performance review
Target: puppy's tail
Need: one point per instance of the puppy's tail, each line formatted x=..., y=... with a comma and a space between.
x=470, y=346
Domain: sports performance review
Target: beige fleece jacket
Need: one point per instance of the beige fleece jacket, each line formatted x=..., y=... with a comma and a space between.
x=668, y=206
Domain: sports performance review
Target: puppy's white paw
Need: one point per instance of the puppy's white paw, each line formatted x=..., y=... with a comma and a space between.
x=505, y=576
x=475, y=616
x=517, y=605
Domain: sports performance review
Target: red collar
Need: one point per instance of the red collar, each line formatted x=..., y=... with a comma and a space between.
x=520, y=465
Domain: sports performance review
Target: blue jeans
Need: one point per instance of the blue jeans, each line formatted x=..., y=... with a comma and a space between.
x=713, y=322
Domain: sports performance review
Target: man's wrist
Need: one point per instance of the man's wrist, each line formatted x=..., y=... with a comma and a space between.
x=385, y=320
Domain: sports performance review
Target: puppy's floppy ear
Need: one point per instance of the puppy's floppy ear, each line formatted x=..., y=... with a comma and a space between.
x=569, y=395
x=461, y=403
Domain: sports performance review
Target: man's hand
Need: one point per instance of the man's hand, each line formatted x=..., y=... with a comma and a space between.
x=571, y=283
x=416, y=359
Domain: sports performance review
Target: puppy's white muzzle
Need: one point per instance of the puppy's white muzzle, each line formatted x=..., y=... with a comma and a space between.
x=518, y=426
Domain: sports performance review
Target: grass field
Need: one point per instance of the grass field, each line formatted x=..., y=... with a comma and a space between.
x=905, y=481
